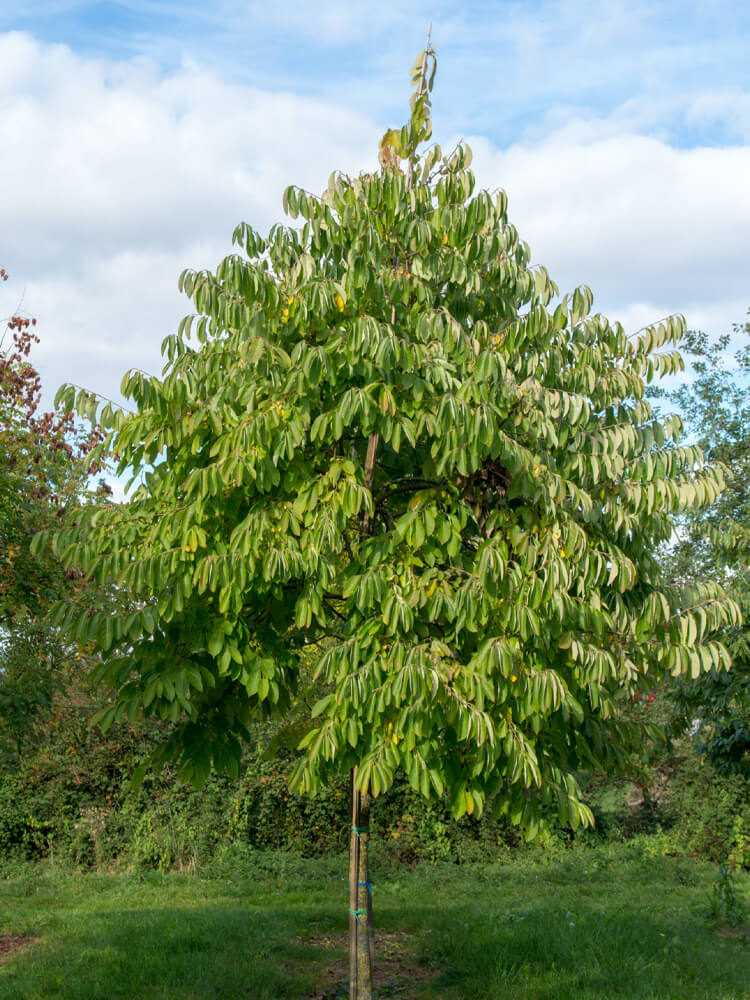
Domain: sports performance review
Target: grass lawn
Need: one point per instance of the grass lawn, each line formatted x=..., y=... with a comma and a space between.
x=584, y=924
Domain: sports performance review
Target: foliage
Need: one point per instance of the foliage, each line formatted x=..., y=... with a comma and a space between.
x=716, y=542
x=68, y=796
x=64, y=775
x=42, y=473
x=71, y=799
x=710, y=811
x=679, y=801
x=389, y=442
x=725, y=902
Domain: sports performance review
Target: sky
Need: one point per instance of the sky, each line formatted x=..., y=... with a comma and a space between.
x=135, y=135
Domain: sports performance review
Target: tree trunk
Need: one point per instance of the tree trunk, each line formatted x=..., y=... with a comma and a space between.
x=361, y=936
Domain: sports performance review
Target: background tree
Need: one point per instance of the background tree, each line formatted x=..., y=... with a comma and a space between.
x=390, y=443
x=715, y=542
x=42, y=473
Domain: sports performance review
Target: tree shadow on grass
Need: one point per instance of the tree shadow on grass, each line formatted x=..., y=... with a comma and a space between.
x=580, y=953
x=548, y=948
x=181, y=953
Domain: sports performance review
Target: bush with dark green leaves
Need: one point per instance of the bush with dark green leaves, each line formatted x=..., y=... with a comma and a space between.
x=715, y=541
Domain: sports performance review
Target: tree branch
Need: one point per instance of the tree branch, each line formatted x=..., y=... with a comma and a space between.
x=372, y=450
x=405, y=484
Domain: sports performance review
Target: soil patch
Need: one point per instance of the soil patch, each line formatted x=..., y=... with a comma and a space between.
x=396, y=970
x=741, y=933
x=11, y=944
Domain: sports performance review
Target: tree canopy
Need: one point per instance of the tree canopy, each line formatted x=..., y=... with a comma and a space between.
x=42, y=473
x=383, y=436
x=715, y=542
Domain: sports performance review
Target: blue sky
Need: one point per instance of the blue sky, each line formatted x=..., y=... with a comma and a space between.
x=505, y=67
x=137, y=134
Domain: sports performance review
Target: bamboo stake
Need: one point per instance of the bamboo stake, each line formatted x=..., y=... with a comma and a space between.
x=361, y=946
x=353, y=879
x=370, y=922
x=365, y=941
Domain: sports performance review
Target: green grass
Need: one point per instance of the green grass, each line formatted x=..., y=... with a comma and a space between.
x=585, y=924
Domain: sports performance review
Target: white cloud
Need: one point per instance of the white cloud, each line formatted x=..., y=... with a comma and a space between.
x=116, y=176
x=99, y=147
x=650, y=228
x=728, y=106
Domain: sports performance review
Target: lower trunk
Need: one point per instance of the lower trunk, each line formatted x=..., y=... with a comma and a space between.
x=361, y=933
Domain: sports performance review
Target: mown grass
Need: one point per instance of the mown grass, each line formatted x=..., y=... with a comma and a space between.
x=585, y=924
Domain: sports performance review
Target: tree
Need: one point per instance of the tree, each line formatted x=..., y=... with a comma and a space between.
x=388, y=441
x=715, y=542
x=42, y=472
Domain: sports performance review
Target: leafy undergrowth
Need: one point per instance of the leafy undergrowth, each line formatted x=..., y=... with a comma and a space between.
x=585, y=924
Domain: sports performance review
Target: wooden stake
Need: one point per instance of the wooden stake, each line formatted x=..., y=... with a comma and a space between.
x=353, y=877
x=361, y=948
x=365, y=943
